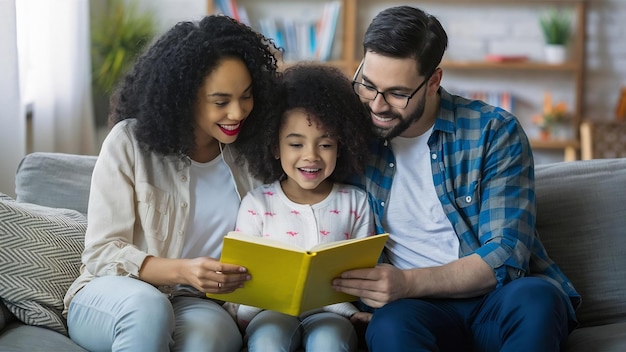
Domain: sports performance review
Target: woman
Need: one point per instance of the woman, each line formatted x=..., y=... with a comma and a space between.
x=166, y=189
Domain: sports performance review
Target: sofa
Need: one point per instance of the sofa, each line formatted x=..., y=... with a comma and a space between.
x=581, y=218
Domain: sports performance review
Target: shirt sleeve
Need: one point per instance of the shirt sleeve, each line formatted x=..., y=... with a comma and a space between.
x=506, y=219
x=109, y=248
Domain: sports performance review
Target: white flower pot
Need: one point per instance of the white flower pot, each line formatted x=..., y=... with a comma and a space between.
x=555, y=54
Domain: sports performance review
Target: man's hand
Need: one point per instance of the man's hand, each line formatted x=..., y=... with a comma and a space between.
x=376, y=287
x=469, y=276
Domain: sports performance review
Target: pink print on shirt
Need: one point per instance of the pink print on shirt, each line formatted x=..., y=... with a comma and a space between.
x=252, y=212
x=356, y=216
x=325, y=233
x=292, y=233
x=335, y=211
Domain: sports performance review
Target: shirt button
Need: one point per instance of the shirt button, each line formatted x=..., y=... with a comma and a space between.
x=434, y=156
x=468, y=199
x=382, y=204
x=385, y=143
x=183, y=178
x=391, y=164
x=183, y=204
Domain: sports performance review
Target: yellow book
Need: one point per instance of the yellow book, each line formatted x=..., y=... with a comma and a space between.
x=292, y=280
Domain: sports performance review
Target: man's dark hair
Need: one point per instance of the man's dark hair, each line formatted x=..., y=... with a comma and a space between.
x=407, y=32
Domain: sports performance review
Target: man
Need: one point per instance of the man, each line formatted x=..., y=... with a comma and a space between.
x=452, y=181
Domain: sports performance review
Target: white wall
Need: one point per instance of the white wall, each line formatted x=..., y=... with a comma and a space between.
x=12, y=121
x=606, y=56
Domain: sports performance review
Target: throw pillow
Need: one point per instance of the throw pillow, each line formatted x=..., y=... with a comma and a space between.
x=40, y=251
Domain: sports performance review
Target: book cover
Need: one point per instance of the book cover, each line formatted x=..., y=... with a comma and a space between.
x=291, y=280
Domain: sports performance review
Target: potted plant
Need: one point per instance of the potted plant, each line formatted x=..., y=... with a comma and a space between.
x=119, y=32
x=556, y=28
x=553, y=121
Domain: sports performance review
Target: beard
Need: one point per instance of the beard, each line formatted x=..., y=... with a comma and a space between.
x=404, y=122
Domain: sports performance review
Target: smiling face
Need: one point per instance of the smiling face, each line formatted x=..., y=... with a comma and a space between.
x=399, y=76
x=224, y=101
x=308, y=155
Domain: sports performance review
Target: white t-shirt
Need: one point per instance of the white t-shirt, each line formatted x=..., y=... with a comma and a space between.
x=420, y=233
x=214, y=206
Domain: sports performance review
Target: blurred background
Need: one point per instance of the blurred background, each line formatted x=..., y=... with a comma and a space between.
x=59, y=61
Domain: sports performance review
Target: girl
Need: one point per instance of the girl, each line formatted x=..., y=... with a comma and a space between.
x=315, y=144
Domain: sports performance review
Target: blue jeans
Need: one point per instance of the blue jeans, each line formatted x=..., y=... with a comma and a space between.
x=527, y=314
x=276, y=332
x=117, y=313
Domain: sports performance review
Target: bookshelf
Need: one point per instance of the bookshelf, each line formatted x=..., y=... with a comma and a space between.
x=354, y=17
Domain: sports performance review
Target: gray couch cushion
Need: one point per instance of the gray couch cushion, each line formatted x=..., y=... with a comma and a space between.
x=55, y=180
x=40, y=252
x=603, y=338
x=20, y=338
x=581, y=219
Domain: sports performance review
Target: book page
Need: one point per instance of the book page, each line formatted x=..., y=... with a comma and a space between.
x=324, y=246
x=263, y=241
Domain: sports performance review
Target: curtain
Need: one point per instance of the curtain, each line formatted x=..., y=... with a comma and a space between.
x=55, y=74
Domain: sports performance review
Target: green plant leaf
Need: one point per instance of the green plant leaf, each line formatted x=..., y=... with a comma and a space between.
x=117, y=38
x=556, y=26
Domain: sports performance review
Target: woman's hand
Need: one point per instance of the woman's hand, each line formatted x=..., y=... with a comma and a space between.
x=204, y=273
x=209, y=275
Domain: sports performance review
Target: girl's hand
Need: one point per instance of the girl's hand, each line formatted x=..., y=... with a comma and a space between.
x=361, y=317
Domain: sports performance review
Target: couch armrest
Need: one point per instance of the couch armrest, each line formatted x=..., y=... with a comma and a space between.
x=55, y=180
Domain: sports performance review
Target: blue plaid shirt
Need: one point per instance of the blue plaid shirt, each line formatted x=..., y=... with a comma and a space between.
x=483, y=172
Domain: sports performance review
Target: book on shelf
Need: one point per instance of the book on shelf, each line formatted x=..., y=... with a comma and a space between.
x=326, y=28
x=505, y=58
x=501, y=99
x=291, y=280
x=306, y=37
x=232, y=10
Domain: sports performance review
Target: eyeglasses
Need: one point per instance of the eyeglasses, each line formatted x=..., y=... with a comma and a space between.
x=397, y=100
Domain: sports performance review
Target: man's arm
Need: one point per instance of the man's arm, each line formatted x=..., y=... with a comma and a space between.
x=466, y=277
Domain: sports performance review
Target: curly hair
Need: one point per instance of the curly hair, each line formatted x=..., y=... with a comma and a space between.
x=326, y=94
x=161, y=88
